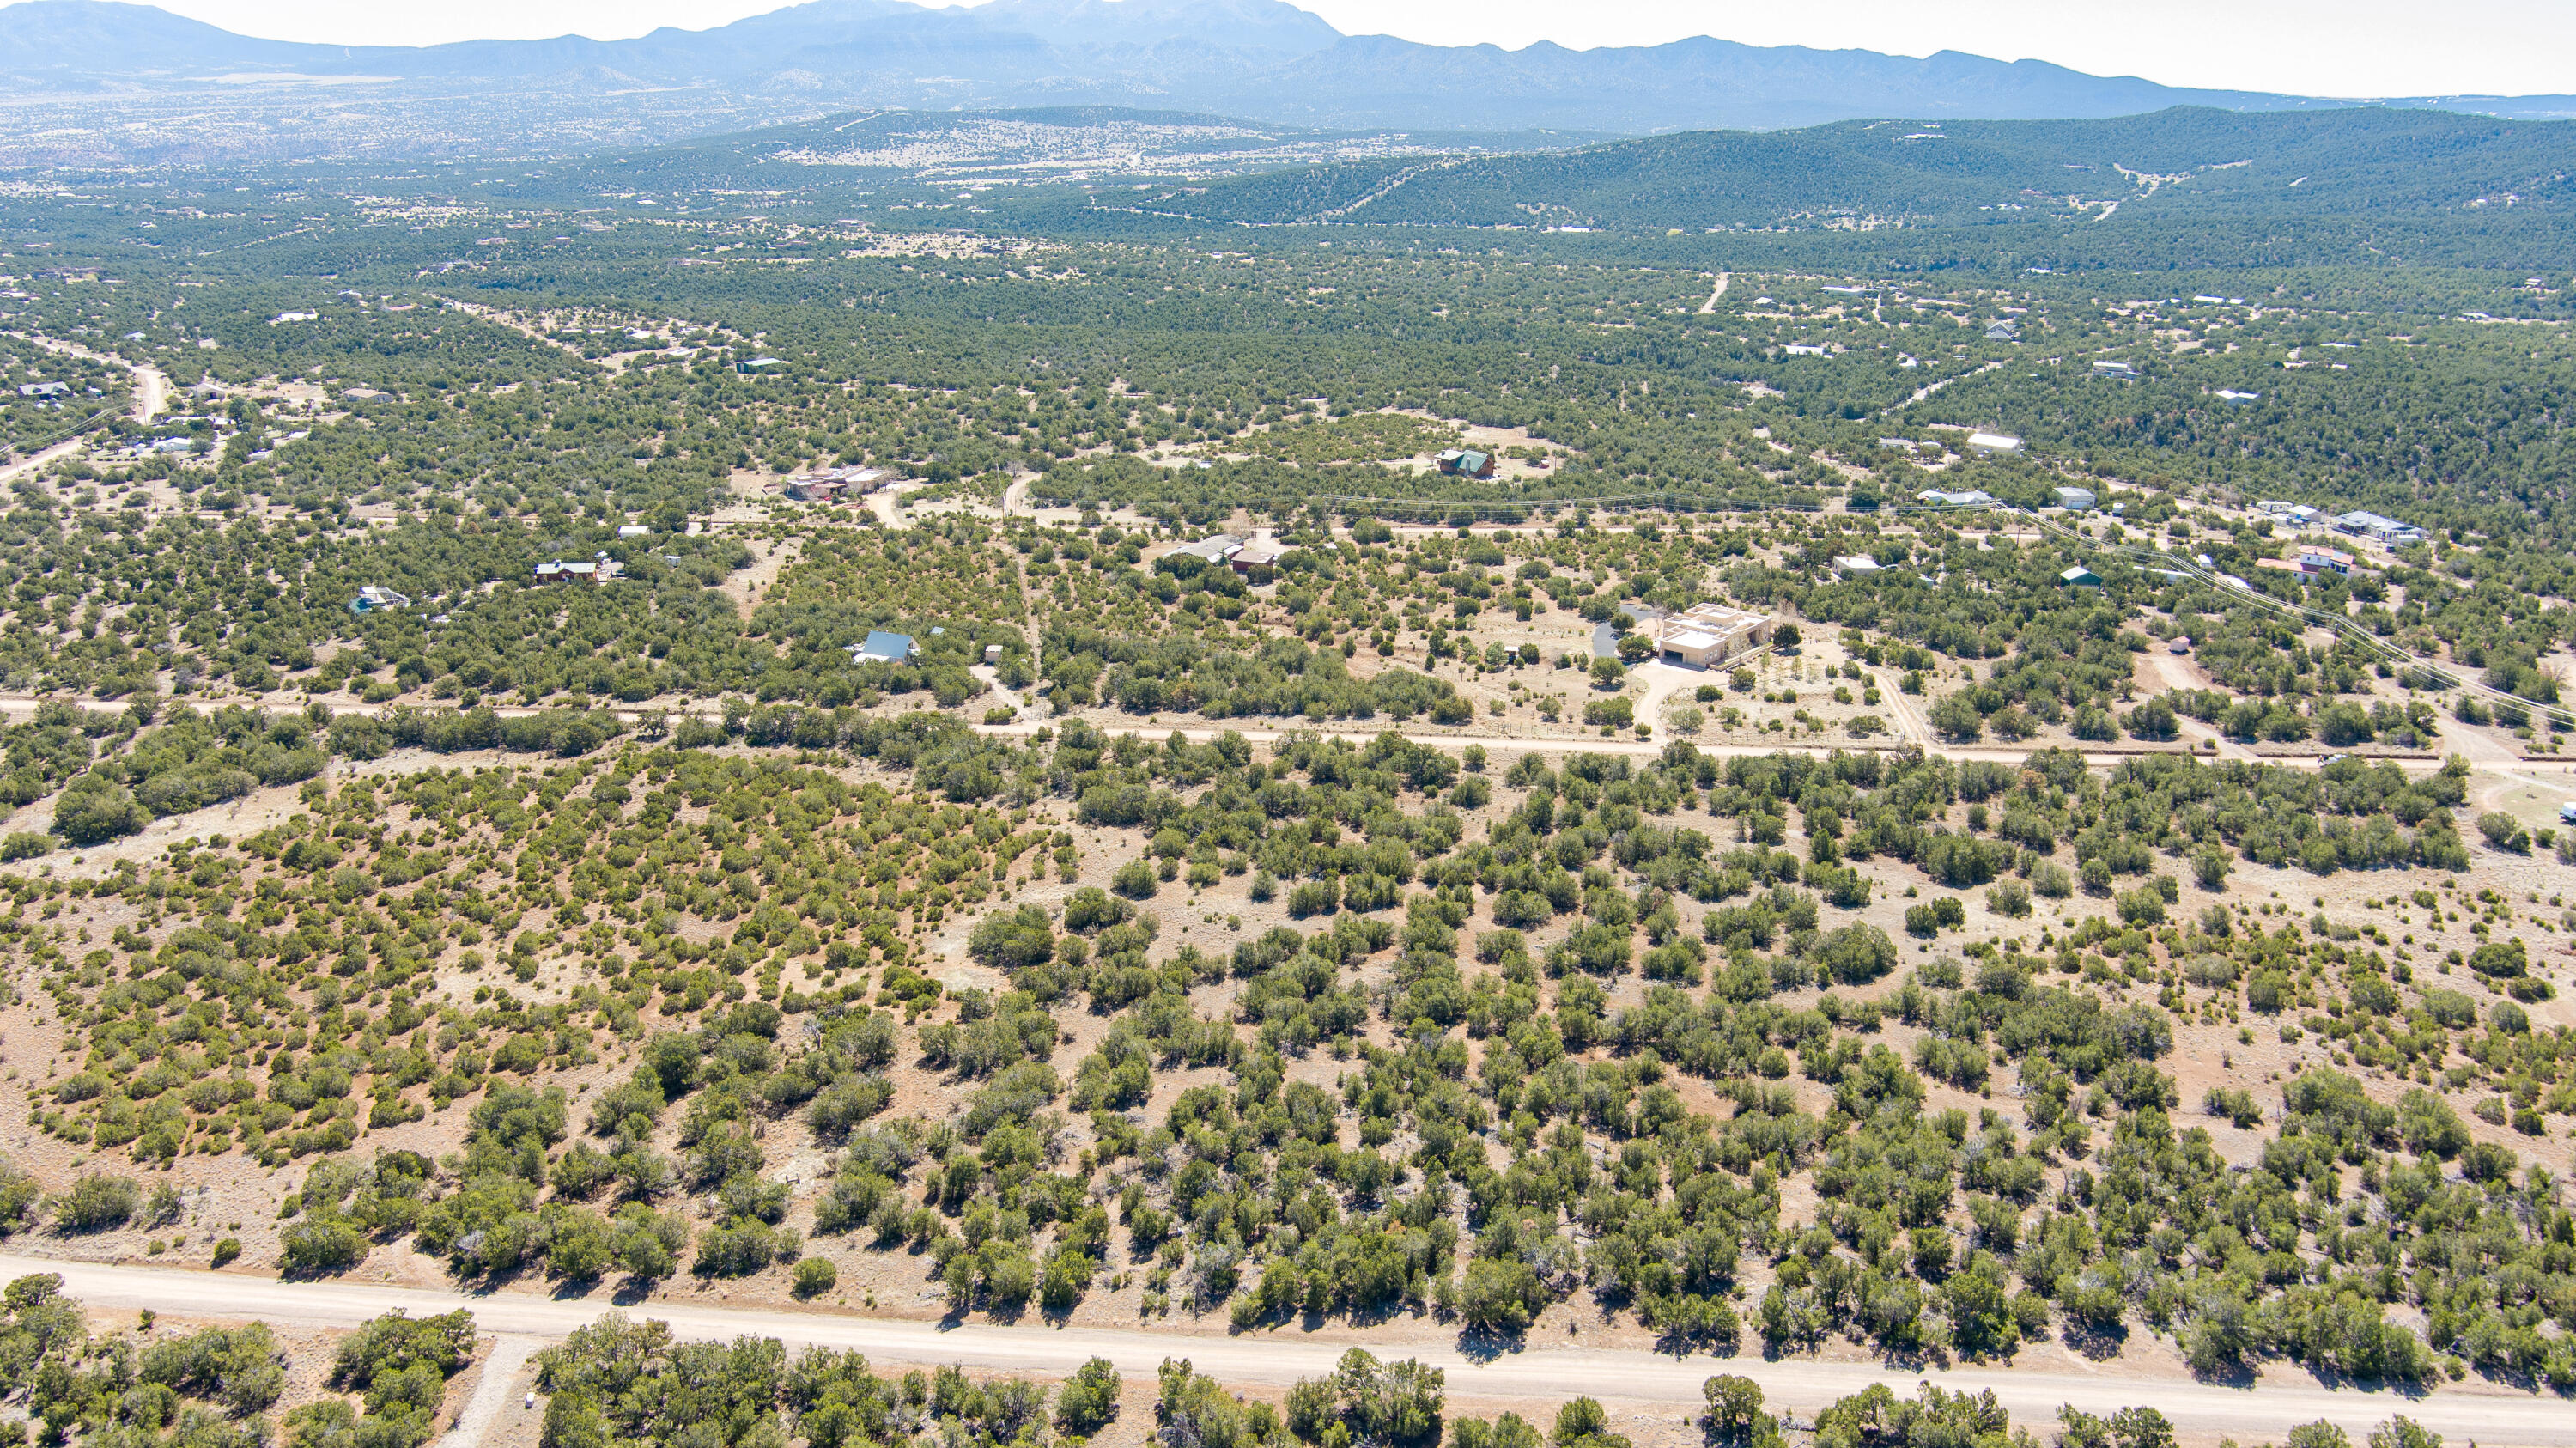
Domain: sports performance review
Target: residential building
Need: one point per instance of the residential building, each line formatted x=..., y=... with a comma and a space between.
x=2076, y=500
x=754, y=366
x=1993, y=442
x=2379, y=529
x=633, y=530
x=883, y=648
x=44, y=391
x=1217, y=548
x=1466, y=462
x=1707, y=634
x=2080, y=576
x=2002, y=332
x=831, y=484
x=1855, y=563
x=1964, y=498
x=1264, y=551
x=2234, y=398
x=2324, y=560
x=372, y=599
x=598, y=569
x=2121, y=370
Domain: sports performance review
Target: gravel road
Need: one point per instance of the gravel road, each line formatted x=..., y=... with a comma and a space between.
x=2494, y=1418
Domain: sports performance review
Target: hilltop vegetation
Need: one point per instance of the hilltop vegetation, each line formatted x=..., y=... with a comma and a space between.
x=1496, y=1010
x=2214, y=165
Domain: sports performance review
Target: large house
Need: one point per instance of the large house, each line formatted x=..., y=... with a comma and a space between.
x=833, y=483
x=1216, y=548
x=2378, y=529
x=1263, y=551
x=1707, y=634
x=595, y=570
x=882, y=648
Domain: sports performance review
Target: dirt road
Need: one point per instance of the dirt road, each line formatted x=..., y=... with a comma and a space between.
x=1909, y=721
x=1493, y=743
x=492, y=1392
x=2495, y=1419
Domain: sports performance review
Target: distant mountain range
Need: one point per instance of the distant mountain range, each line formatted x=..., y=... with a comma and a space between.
x=152, y=85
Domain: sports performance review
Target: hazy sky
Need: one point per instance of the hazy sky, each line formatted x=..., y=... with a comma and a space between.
x=2316, y=47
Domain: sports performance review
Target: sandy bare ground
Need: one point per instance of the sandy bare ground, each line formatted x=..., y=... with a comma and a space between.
x=504, y=1375
x=2174, y=672
x=1504, y=1371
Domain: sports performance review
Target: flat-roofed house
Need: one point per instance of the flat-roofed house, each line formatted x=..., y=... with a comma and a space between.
x=1708, y=634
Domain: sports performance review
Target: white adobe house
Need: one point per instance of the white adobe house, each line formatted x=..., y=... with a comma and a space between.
x=1707, y=634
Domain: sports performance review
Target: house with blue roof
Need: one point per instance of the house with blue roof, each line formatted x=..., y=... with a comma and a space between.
x=883, y=648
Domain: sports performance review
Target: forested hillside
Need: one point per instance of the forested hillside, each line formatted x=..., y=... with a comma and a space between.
x=2183, y=163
